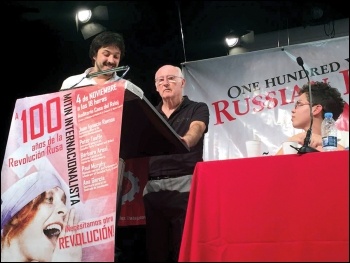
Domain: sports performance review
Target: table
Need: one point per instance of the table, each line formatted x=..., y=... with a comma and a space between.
x=269, y=208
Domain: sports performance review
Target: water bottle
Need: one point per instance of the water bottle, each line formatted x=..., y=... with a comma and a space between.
x=329, y=133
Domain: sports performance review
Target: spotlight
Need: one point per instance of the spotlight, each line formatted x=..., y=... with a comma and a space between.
x=236, y=38
x=236, y=41
x=90, y=22
x=316, y=14
x=232, y=39
x=84, y=15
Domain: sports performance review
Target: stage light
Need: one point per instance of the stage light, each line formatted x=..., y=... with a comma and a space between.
x=316, y=14
x=232, y=39
x=95, y=24
x=236, y=41
x=84, y=15
x=236, y=38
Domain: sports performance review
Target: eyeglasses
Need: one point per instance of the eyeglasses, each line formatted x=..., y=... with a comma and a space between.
x=169, y=78
x=299, y=104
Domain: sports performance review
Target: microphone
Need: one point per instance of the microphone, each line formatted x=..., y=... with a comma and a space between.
x=123, y=68
x=306, y=148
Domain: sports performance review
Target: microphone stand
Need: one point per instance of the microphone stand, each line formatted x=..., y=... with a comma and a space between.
x=123, y=68
x=306, y=148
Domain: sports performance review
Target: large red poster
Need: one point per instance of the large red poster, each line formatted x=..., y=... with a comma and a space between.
x=59, y=176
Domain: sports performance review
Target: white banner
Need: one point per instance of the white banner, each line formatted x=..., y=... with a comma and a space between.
x=251, y=95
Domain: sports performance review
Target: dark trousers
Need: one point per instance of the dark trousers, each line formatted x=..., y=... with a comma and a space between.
x=165, y=217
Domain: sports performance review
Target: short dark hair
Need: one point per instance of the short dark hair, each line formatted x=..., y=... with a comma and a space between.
x=327, y=96
x=104, y=39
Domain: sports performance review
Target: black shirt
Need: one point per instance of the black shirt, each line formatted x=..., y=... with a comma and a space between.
x=180, y=120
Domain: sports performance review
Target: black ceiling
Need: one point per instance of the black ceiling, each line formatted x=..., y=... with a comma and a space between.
x=43, y=47
x=50, y=48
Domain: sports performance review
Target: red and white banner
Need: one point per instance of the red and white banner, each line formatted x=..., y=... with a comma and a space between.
x=72, y=137
x=251, y=95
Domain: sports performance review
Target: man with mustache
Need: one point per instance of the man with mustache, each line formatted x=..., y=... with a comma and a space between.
x=106, y=51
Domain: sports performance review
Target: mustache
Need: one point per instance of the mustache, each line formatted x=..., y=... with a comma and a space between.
x=110, y=64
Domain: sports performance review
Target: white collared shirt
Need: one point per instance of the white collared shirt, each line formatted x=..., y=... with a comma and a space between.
x=81, y=80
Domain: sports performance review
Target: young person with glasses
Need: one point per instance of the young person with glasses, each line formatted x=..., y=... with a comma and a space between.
x=325, y=98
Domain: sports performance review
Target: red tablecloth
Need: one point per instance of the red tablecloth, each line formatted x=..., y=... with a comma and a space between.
x=273, y=208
